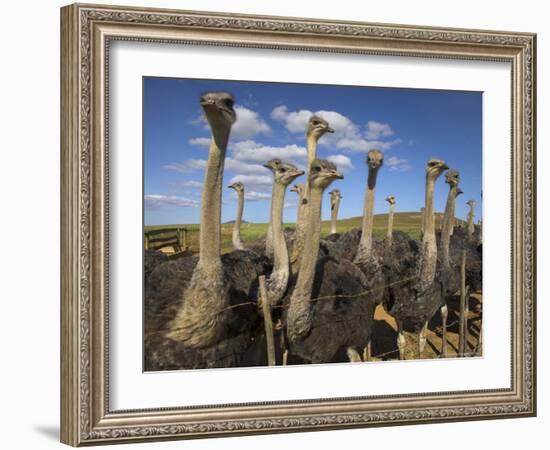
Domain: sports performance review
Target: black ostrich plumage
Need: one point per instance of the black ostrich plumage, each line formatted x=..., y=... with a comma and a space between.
x=342, y=317
x=474, y=260
x=163, y=296
x=403, y=298
x=151, y=259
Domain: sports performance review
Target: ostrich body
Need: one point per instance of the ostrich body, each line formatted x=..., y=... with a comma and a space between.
x=277, y=282
x=389, y=235
x=335, y=198
x=317, y=127
x=341, y=318
x=414, y=293
x=236, y=236
x=206, y=331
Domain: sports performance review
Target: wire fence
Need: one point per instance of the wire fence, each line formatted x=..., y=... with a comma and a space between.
x=361, y=296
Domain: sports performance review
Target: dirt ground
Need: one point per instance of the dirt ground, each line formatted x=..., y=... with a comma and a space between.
x=384, y=342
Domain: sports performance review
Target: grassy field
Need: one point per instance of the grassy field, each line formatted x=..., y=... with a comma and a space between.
x=409, y=222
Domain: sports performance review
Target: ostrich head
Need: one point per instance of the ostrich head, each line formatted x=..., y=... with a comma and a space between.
x=284, y=173
x=391, y=199
x=322, y=173
x=471, y=203
x=335, y=195
x=318, y=126
x=459, y=191
x=298, y=188
x=375, y=159
x=435, y=167
x=452, y=178
x=218, y=109
x=238, y=186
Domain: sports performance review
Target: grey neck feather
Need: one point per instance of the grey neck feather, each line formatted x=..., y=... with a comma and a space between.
x=303, y=211
x=278, y=280
x=237, y=241
x=364, y=252
x=390, y=221
x=428, y=258
x=448, y=221
x=210, y=229
x=334, y=214
x=299, y=314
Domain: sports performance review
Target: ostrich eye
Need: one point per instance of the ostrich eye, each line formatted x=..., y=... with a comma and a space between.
x=315, y=122
x=229, y=103
x=282, y=170
x=317, y=169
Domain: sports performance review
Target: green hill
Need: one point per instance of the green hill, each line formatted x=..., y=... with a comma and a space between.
x=408, y=222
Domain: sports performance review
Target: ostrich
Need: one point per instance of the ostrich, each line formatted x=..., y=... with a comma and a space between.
x=335, y=198
x=389, y=235
x=471, y=228
x=317, y=127
x=277, y=282
x=206, y=331
x=299, y=189
x=236, y=237
x=414, y=302
x=341, y=318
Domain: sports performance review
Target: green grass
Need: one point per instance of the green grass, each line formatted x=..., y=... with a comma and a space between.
x=408, y=222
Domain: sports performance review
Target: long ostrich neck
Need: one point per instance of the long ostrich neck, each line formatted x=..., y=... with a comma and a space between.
x=210, y=230
x=390, y=220
x=334, y=214
x=471, y=217
x=300, y=201
x=237, y=242
x=429, y=248
x=304, y=284
x=448, y=220
x=365, y=245
x=280, y=252
x=303, y=208
x=311, y=156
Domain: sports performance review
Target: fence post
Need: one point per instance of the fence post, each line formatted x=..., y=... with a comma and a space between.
x=146, y=241
x=462, y=314
x=268, y=324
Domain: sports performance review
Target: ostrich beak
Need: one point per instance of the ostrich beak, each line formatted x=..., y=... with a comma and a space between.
x=267, y=166
x=445, y=167
x=298, y=173
x=336, y=175
x=330, y=130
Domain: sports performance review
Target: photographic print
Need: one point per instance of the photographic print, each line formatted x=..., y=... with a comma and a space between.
x=294, y=224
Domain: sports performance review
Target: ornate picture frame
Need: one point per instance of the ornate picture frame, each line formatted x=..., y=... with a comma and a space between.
x=86, y=34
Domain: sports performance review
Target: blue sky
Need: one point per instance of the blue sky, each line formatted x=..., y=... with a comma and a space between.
x=409, y=125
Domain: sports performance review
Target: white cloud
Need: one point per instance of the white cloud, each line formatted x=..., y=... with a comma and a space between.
x=261, y=182
x=397, y=164
x=254, y=196
x=249, y=124
x=254, y=152
x=347, y=135
x=187, y=166
x=376, y=130
x=342, y=162
x=191, y=184
x=156, y=201
x=291, y=204
x=245, y=168
x=200, y=141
